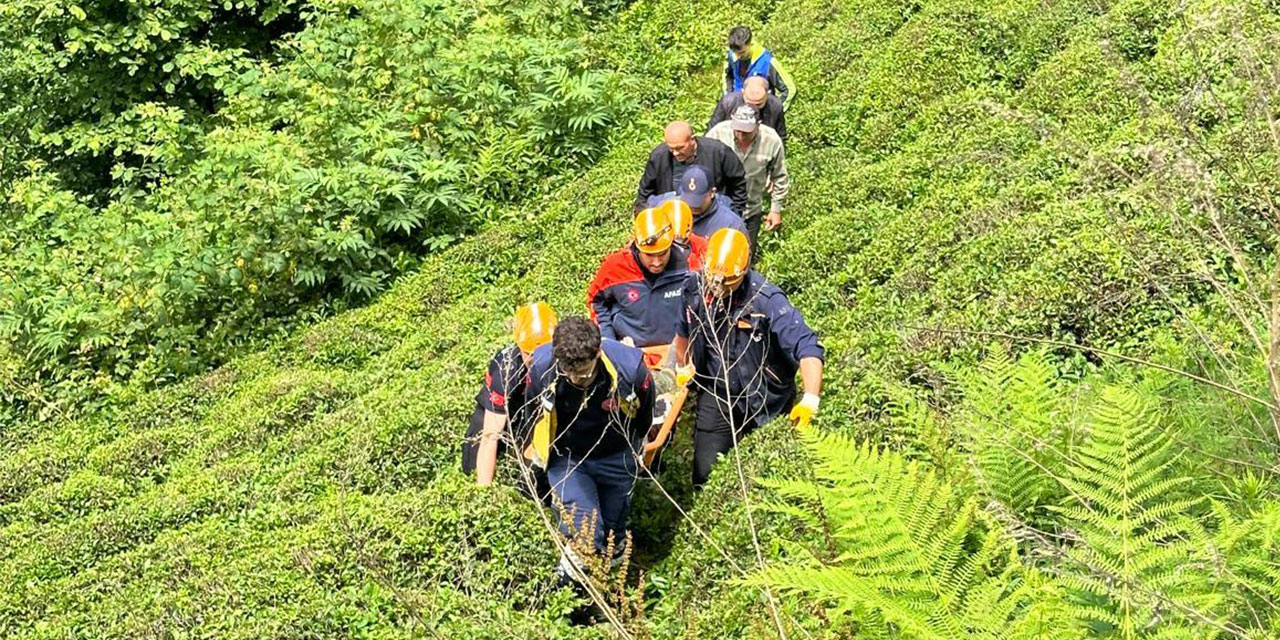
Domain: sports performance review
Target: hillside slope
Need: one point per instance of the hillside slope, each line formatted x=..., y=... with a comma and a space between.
x=955, y=163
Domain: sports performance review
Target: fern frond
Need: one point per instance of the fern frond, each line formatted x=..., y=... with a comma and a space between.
x=1011, y=428
x=1135, y=537
x=1243, y=555
x=915, y=560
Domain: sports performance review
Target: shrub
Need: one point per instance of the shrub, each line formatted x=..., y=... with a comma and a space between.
x=990, y=201
x=384, y=131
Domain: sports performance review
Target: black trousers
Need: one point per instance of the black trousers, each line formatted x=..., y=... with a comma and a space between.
x=714, y=434
x=753, y=232
x=471, y=450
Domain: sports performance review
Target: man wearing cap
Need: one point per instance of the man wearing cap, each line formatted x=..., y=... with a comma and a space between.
x=635, y=295
x=764, y=160
x=755, y=93
x=711, y=210
x=679, y=151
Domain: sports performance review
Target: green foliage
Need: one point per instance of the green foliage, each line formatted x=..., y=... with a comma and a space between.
x=1242, y=552
x=1112, y=513
x=1017, y=431
x=991, y=182
x=908, y=557
x=380, y=132
x=1135, y=530
x=1096, y=484
x=88, y=86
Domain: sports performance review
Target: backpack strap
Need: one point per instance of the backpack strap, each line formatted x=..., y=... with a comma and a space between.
x=545, y=428
x=629, y=405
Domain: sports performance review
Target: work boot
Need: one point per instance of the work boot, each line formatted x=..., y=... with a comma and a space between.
x=570, y=571
x=570, y=574
x=588, y=613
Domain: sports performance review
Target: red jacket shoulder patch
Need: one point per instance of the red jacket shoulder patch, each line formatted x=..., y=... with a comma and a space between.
x=618, y=267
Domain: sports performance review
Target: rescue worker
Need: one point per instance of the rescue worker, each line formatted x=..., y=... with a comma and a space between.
x=595, y=398
x=501, y=406
x=747, y=59
x=681, y=216
x=680, y=150
x=742, y=342
x=711, y=210
x=764, y=160
x=635, y=295
x=755, y=93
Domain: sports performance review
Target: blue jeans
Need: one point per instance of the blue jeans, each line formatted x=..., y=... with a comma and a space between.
x=596, y=488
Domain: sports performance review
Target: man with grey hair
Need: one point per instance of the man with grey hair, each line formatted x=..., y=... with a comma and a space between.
x=764, y=161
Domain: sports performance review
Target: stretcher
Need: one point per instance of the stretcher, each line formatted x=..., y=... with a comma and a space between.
x=669, y=399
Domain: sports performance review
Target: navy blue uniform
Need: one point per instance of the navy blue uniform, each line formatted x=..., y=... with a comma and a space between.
x=593, y=462
x=629, y=302
x=718, y=216
x=603, y=419
x=503, y=393
x=760, y=339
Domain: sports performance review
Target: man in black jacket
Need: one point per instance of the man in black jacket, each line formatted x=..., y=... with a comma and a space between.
x=681, y=149
x=755, y=93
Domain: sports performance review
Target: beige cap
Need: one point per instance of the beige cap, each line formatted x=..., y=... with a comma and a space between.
x=745, y=118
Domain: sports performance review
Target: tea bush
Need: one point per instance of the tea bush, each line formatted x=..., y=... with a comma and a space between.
x=999, y=182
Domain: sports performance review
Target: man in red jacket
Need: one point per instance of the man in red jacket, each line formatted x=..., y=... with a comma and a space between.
x=635, y=296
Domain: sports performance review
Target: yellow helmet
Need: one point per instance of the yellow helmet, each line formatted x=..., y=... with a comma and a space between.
x=533, y=326
x=728, y=257
x=652, y=231
x=680, y=215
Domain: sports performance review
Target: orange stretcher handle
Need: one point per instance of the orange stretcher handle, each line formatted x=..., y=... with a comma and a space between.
x=652, y=448
x=654, y=358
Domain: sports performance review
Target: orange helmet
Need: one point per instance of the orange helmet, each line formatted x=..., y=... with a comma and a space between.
x=652, y=231
x=533, y=326
x=681, y=217
x=728, y=256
